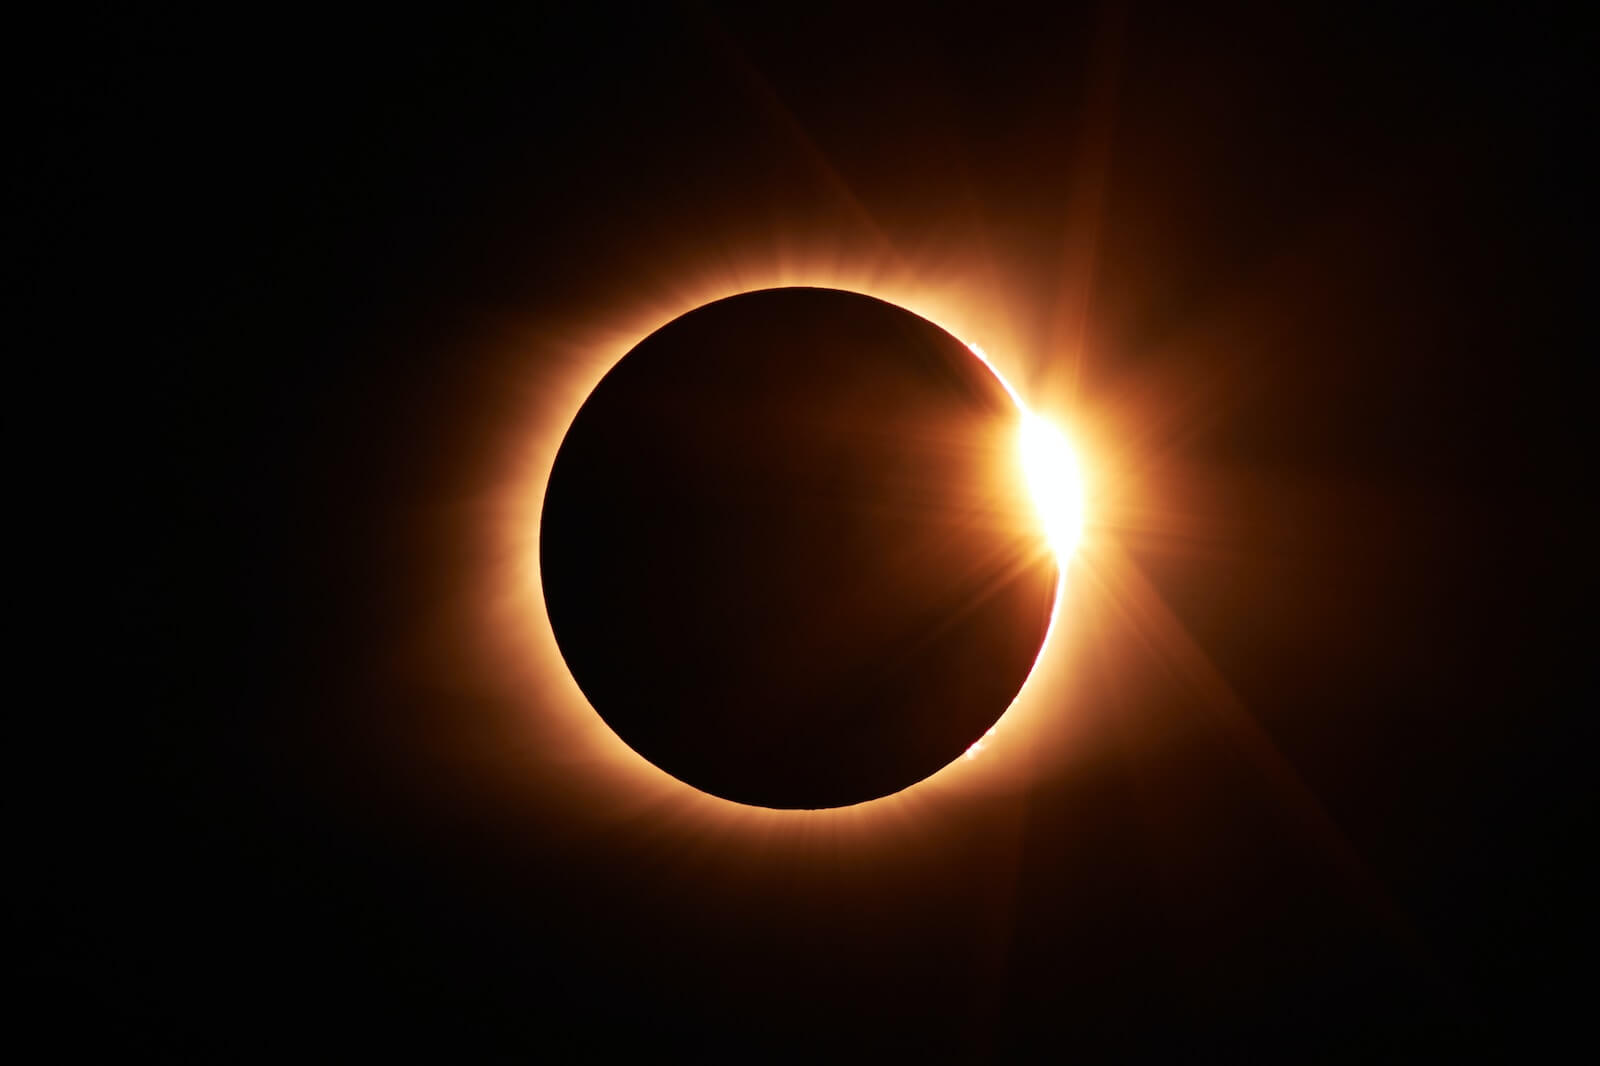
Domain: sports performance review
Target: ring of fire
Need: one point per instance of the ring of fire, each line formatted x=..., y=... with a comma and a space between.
x=1042, y=461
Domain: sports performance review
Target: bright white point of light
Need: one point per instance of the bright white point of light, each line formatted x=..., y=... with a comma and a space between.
x=1051, y=470
x=1053, y=480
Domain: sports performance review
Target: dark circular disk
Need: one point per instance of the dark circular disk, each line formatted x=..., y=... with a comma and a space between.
x=787, y=551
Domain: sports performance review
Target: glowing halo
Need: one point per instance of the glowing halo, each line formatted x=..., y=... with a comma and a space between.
x=603, y=768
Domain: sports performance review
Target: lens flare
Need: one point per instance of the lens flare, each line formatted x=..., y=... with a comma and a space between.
x=1051, y=470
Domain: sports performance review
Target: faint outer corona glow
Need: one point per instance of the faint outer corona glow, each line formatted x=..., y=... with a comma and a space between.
x=600, y=768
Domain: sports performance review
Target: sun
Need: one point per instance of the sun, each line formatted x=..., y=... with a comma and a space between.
x=1054, y=481
x=1050, y=469
x=1033, y=458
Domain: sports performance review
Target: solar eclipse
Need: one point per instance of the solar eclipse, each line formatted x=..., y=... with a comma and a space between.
x=800, y=547
x=512, y=648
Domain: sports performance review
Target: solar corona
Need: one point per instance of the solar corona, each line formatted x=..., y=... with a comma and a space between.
x=800, y=547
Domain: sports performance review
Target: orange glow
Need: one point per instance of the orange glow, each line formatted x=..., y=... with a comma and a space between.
x=566, y=743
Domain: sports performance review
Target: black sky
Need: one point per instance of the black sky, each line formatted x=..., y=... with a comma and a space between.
x=1332, y=316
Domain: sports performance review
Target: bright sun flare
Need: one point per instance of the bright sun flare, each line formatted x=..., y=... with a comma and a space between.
x=1054, y=482
x=1050, y=468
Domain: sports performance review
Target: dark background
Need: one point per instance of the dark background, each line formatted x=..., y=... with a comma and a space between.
x=1333, y=325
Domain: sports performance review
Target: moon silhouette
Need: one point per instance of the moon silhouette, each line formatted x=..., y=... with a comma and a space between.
x=788, y=551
